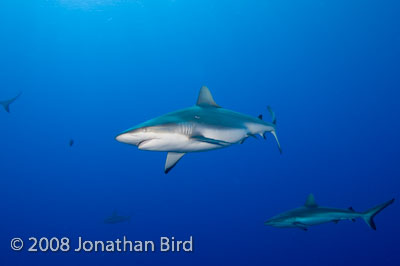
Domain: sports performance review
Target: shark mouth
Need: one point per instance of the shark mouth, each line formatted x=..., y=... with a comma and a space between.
x=143, y=142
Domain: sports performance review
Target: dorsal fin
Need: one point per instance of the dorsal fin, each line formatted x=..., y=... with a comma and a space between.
x=310, y=202
x=114, y=214
x=205, y=98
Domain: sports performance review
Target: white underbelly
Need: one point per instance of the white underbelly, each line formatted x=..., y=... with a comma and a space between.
x=175, y=142
x=227, y=135
x=313, y=221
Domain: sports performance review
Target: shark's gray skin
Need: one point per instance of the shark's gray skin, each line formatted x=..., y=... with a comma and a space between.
x=6, y=103
x=203, y=127
x=312, y=214
x=115, y=218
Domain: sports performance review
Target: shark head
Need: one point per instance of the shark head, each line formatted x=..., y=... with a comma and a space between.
x=281, y=221
x=163, y=133
x=137, y=135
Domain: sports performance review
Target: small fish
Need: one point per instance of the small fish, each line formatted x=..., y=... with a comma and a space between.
x=71, y=142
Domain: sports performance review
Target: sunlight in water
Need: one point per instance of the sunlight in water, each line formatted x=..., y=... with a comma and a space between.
x=90, y=4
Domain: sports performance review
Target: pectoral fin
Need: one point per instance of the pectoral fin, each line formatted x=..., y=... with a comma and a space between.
x=172, y=159
x=211, y=141
x=301, y=226
x=242, y=141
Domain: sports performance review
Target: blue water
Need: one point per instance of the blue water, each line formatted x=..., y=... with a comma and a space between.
x=91, y=69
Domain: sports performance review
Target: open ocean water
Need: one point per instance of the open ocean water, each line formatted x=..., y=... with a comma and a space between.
x=90, y=69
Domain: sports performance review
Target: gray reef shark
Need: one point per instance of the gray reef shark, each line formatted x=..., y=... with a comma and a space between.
x=115, y=218
x=203, y=127
x=312, y=214
x=6, y=103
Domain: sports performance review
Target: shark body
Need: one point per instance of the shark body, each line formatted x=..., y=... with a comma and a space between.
x=203, y=127
x=115, y=218
x=6, y=103
x=312, y=214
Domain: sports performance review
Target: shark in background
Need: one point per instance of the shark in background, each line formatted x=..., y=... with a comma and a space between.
x=203, y=127
x=115, y=218
x=312, y=214
x=6, y=103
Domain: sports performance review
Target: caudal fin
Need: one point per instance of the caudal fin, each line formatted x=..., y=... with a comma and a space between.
x=6, y=104
x=272, y=114
x=277, y=141
x=370, y=214
x=274, y=123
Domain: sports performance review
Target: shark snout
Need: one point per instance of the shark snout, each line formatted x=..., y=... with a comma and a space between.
x=135, y=136
x=276, y=222
x=129, y=138
x=268, y=222
x=122, y=137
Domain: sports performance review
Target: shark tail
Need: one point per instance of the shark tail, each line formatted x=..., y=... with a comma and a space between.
x=273, y=116
x=277, y=141
x=6, y=104
x=370, y=214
